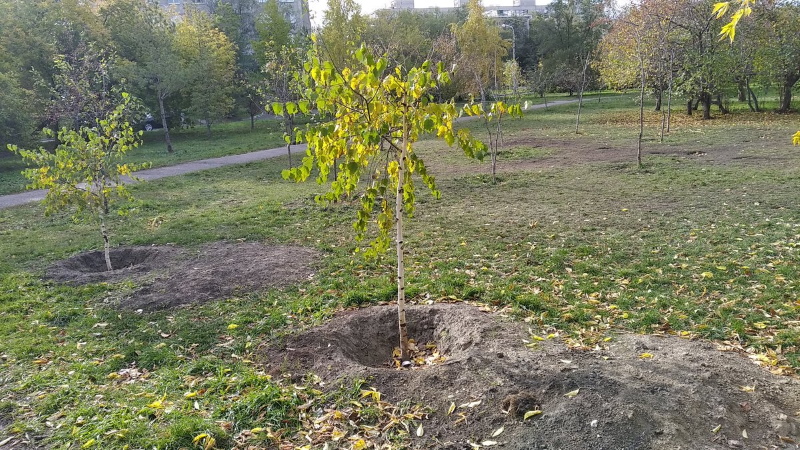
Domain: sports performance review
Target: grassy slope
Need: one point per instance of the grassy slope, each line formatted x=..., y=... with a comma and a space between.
x=684, y=246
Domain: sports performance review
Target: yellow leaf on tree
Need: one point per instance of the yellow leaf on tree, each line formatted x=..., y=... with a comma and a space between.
x=393, y=168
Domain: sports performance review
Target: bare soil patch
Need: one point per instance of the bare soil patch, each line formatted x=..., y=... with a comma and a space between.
x=171, y=276
x=573, y=152
x=641, y=392
x=128, y=263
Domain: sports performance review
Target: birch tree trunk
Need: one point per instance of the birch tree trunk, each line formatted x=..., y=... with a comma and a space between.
x=104, y=231
x=401, y=273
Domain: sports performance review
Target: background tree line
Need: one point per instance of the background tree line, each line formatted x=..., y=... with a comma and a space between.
x=66, y=62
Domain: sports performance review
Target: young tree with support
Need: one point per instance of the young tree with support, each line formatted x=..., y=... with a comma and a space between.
x=376, y=115
x=85, y=170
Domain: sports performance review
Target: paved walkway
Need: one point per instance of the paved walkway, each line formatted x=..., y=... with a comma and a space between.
x=7, y=201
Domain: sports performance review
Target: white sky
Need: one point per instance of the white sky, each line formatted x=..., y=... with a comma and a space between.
x=368, y=6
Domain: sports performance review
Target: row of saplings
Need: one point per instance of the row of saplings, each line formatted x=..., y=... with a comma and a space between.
x=378, y=111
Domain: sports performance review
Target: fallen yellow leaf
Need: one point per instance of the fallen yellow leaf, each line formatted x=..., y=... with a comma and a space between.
x=572, y=394
x=530, y=414
x=158, y=404
x=470, y=404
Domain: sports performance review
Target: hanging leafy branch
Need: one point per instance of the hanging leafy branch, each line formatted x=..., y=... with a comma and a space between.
x=376, y=116
x=85, y=170
x=743, y=9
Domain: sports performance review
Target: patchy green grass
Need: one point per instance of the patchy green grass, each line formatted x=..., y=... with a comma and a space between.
x=230, y=138
x=697, y=246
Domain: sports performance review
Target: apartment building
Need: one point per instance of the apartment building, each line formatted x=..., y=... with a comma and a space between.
x=507, y=8
x=296, y=11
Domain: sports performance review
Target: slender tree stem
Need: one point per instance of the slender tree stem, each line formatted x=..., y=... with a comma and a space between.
x=580, y=93
x=104, y=231
x=641, y=113
x=161, y=108
x=669, y=97
x=405, y=353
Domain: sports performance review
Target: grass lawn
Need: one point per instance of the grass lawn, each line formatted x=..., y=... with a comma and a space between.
x=704, y=242
x=228, y=138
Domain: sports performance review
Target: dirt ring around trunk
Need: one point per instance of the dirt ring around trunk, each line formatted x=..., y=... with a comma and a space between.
x=171, y=276
x=682, y=394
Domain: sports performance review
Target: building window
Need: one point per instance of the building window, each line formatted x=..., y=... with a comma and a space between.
x=174, y=2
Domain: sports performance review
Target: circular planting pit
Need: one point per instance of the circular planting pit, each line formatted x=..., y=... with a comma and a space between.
x=169, y=276
x=127, y=262
x=371, y=340
x=681, y=394
x=367, y=338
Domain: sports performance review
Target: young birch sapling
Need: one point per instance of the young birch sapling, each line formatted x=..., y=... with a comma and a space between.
x=85, y=169
x=375, y=116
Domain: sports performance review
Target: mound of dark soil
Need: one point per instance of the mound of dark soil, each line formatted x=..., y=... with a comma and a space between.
x=642, y=392
x=221, y=270
x=171, y=276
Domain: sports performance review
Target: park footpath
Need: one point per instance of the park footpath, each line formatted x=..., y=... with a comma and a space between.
x=11, y=200
x=7, y=201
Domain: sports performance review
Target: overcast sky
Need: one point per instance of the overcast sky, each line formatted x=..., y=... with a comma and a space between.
x=367, y=6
